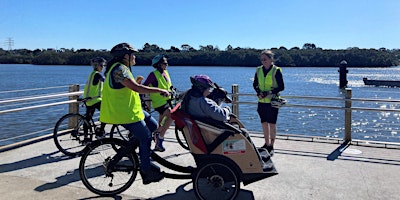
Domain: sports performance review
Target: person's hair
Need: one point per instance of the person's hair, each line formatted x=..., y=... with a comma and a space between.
x=268, y=53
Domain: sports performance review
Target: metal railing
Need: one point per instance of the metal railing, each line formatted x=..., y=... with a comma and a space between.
x=348, y=107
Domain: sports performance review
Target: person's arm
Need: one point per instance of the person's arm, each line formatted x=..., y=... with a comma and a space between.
x=151, y=79
x=142, y=89
x=213, y=110
x=255, y=84
x=279, y=81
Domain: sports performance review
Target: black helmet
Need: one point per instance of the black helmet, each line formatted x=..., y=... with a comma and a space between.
x=202, y=82
x=121, y=49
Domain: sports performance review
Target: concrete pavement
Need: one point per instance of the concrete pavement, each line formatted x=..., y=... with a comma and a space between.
x=39, y=171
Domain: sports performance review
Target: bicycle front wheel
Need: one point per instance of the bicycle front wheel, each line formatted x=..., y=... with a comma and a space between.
x=97, y=176
x=69, y=134
x=180, y=137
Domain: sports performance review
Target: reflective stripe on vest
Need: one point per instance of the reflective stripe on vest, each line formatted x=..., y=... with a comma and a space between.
x=268, y=82
x=120, y=106
x=93, y=91
x=157, y=99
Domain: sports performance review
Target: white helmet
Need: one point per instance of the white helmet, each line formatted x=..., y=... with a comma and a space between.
x=278, y=102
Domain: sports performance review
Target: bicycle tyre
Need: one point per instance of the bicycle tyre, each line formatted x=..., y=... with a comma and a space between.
x=181, y=138
x=215, y=179
x=69, y=134
x=93, y=168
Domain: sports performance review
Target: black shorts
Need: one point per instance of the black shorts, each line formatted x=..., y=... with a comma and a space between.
x=162, y=108
x=267, y=113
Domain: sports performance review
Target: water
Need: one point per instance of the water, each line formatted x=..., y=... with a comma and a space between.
x=321, y=82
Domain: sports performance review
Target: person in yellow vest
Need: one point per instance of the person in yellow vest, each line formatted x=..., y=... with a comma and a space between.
x=93, y=89
x=160, y=78
x=268, y=82
x=121, y=105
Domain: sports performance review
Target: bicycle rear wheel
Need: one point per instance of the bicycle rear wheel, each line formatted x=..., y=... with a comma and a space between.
x=69, y=134
x=94, y=172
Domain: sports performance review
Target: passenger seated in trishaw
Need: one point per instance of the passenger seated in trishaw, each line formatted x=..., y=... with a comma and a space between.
x=225, y=154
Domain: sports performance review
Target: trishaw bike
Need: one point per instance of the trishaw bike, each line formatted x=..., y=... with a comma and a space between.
x=224, y=155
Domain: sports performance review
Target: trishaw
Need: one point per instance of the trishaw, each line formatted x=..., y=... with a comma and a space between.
x=223, y=152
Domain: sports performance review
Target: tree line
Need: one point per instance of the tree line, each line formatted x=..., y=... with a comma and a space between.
x=307, y=56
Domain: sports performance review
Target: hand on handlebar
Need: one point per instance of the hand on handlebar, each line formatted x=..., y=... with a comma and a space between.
x=165, y=93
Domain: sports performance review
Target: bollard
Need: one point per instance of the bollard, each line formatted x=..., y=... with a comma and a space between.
x=347, y=115
x=235, y=99
x=343, y=74
x=73, y=107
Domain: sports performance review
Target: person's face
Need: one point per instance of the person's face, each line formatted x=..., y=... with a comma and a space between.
x=207, y=92
x=164, y=64
x=132, y=58
x=265, y=60
x=101, y=67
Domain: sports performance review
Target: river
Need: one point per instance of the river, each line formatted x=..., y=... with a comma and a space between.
x=315, y=81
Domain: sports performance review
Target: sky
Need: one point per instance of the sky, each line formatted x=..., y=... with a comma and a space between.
x=260, y=24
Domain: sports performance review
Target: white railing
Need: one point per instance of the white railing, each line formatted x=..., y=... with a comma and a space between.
x=74, y=93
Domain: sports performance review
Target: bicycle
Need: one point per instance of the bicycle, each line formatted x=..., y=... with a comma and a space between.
x=110, y=166
x=73, y=132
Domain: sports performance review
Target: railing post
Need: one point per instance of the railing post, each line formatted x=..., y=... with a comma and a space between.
x=73, y=107
x=235, y=99
x=347, y=115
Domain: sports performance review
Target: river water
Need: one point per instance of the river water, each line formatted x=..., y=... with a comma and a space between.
x=316, y=81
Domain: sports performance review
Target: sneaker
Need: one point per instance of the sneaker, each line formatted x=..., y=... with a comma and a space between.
x=159, y=143
x=271, y=150
x=151, y=176
x=264, y=154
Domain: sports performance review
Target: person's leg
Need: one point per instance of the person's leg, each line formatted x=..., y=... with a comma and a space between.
x=143, y=134
x=266, y=131
x=263, y=113
x=88, y=116
x=140, y=131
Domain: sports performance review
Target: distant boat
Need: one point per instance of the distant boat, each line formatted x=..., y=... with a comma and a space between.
x=388, y=83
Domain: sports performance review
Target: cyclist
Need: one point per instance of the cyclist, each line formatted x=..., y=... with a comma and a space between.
x=196, y=103
x=160, y=78
x=121, y=105
x=93, y=90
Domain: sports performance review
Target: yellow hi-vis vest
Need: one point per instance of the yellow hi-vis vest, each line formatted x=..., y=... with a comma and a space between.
x=120, y=106
x=93, y=91
x=157, y=99
x=268, y=82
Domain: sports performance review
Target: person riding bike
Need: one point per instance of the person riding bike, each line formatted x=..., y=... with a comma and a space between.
x=196, y=103
x=121, y=105
x=160, y=78
x=92, y=90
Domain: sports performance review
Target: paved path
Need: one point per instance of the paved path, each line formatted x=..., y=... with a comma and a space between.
x=39, y=171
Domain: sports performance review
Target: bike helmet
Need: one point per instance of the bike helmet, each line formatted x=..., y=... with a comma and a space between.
x=95, y=62
x=278, y=102
x=202, y=82
x=121, y=49
x=157, y=59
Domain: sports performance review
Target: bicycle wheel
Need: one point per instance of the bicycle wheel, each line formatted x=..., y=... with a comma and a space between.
x=93, y=168
x=118, y=131
x=180, y=137
x=69, y=135
x=216, y=180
